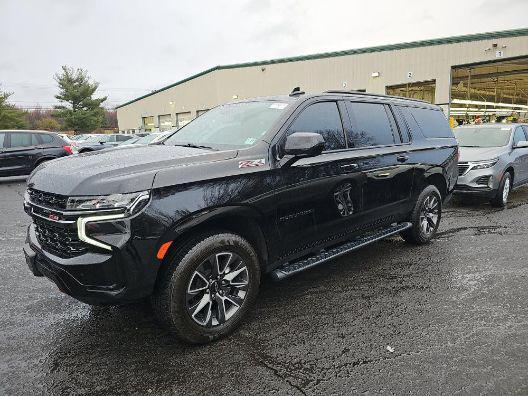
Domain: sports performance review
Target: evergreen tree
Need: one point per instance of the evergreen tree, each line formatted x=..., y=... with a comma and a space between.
x=10, y=116
x=82, y=112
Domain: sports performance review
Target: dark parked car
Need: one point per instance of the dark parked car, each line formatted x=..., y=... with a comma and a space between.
x=22, y=151
x=99, y=142
x=263, y=186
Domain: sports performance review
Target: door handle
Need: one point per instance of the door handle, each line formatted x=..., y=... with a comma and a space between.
x=402, y=158
x=349, y=166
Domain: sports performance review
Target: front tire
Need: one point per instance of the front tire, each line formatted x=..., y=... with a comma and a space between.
x=209, y=288
x=501, y=199
x=425, y=217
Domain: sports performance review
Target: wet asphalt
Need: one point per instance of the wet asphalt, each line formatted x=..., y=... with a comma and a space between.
x=447, y=318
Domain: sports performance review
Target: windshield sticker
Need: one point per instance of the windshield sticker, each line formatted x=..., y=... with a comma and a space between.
x=251, y=163
x=278, y=106
x=250, y=140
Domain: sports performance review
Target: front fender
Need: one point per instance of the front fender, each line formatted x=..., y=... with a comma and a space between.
x=207, y=216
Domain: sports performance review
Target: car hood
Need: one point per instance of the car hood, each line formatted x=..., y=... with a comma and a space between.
x=85, y=144
x=471, y=154
x=116, y=171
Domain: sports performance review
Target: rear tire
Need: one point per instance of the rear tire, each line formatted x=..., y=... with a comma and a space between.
x=425, y=217
x=501, y=198
x=199, y=303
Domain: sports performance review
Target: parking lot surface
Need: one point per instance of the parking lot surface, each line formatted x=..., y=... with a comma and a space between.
x=450, y=317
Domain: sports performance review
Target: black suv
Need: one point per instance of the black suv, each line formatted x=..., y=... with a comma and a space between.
x=262, y=186
x=21, y=151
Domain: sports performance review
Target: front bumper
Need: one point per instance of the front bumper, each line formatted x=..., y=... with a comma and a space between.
x=483, y=192
x=479, y=182
x=116, y=277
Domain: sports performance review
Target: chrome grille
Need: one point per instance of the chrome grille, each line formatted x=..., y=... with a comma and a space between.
x=61, y=241
x=49, y=200
x=462, y=168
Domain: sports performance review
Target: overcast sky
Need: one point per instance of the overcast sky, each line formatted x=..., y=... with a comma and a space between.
x=132, y=47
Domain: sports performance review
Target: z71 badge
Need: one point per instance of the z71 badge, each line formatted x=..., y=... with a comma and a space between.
x=251, y=163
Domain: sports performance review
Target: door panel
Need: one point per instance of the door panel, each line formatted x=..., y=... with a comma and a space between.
x=520, y=163
x=307, y=212
x=20, y=154
x=307, y=209
x=524, y=163
x=4, y=167
x=381, y=157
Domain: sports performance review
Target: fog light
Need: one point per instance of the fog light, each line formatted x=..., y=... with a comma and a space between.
x=490, y=182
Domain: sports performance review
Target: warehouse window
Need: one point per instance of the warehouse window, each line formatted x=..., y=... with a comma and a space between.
x=148, y=123
x=183, y=119
x=422, y=90
x=165, y=122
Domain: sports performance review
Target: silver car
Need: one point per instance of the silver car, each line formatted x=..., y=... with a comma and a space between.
x=493, y=160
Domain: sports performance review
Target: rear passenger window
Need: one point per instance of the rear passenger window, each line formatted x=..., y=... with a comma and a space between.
x=322, y=118
x=370, y=125
x=20, y=139
x=2, y=140
x=46, y=138
x=432, y=123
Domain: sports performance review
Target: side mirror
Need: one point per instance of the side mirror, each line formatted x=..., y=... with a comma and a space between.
x=521, y=144
x=302, y=145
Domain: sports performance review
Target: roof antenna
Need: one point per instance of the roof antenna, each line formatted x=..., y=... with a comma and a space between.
x=296, y=91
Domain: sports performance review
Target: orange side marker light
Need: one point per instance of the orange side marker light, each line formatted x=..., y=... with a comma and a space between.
x=163, y=250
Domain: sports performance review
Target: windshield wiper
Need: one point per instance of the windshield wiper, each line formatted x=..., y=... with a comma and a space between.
x=193, y=145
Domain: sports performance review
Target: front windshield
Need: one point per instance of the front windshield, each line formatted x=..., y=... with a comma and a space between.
x=129, y=141
x=483, y=137
x=235, y=125
x=147, y=139
x=96, y=138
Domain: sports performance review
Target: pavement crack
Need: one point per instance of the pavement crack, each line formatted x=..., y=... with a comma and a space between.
x=480, y=230
x=264, y=359
x=276, y=372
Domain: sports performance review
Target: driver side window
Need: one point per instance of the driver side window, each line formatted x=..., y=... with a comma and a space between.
x=322, y=118
x=518, y=136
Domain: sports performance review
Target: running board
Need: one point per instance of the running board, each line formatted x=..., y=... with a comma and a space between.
x=290, y=269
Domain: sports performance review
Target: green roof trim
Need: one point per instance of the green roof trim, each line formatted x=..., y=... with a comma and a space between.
x=366, y=50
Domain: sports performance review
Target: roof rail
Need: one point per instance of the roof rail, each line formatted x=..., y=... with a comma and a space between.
x=352, y=92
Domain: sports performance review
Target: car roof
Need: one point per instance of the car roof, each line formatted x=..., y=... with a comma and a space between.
x=27, y=131
x=492, y=124
x=342, y=94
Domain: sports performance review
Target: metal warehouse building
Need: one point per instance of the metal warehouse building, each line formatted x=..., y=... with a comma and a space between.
x=480, y=75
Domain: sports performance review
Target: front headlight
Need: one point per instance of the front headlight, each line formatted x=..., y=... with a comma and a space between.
x=132, y=202
x=484, y=164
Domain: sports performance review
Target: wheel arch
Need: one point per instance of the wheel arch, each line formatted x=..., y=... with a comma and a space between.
x=240, y=220
x=438, y=180
x=511, y=171
x=40, y=160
